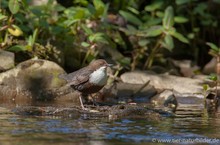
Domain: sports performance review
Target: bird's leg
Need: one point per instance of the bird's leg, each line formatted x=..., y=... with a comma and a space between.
x=81, y=102
x=93, y=101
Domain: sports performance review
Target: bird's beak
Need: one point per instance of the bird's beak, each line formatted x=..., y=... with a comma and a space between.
x=109, y=65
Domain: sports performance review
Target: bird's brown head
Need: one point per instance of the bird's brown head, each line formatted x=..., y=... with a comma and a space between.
x=96, y=64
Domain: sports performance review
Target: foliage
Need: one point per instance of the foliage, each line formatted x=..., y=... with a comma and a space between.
x=133, y=33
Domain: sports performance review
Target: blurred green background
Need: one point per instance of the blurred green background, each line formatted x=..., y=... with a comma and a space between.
x=135, y=34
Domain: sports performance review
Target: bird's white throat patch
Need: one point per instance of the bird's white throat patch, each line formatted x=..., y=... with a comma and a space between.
x=99, y=77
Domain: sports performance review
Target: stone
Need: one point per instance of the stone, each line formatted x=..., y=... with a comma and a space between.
x=7, y=60
x=164, y=81
x=33, y=80
x=190, y=104
x=210, y=67
x=166, y=99
x=127, y=93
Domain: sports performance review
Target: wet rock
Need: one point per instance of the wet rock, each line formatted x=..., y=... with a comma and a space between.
x=7, y=60
x=190, y=104
x=188, y=92
x=165, y=100
x=4, y=111
x=164, y=81
x=31, y=81
x=95, y=112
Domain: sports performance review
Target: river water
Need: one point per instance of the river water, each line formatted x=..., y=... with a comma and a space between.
x=28, y=130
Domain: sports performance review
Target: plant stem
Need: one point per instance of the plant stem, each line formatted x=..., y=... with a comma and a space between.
x=150, y=59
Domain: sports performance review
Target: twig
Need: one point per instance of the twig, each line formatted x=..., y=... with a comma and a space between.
x=141, y=88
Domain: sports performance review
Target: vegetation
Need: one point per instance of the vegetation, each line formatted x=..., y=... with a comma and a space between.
x=133, y=33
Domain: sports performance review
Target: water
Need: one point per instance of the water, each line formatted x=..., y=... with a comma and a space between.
x=28, y=130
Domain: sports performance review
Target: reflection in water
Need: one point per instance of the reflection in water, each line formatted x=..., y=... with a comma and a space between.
x=27, y=130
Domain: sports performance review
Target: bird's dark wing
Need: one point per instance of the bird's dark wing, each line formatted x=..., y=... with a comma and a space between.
x=77, y=77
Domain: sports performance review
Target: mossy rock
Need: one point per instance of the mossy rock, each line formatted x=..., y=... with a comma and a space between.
x=37, y=79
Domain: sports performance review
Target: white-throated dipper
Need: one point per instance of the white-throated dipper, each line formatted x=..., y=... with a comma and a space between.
x=89, y=79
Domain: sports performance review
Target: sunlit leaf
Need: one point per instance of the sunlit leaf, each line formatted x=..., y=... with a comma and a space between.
x=180, y=37
x=205, y=87
x=2, y=16
x=213, y=46
x=168, y=19
x=15, y=31
x=13, y=6
x=130, y=17
x=99, y=7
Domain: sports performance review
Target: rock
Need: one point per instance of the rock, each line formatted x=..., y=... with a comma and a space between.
x=126, y=93
x=188, y=92
x=31, y=81
x=4, y=111
x=95, y=112
x=210, y=67
x=163, y=81
x=165, y=100
x=7, y=60
x=190, y=104
x=186, y=67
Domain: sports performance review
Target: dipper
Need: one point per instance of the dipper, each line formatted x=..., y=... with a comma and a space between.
x=89, y=79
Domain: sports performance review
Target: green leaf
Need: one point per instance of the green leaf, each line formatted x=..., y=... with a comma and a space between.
x=191, y=35
x=213, y=46
x=85, y=44
x=13, y=6
x=181, y=2
x=169, y=42
x=99, y=7
x=98, y=37
x=151, y=32
x=143, y=42
x=180, y=19
x=32, y=38
x=213, y=77
x=79, y=13
x=2, y=16
x=130, y=17
x=17, y=48
x=156, y=5
x=180, y=37
x=168, y=19
x=205, y=87
x=87, y=30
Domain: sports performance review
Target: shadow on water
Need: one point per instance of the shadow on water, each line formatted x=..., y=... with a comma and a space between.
x=27, y=130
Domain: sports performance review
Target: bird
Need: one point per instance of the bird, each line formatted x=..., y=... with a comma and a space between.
x=89, y=79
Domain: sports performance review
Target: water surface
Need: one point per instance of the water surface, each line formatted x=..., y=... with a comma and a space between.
x=26, y=130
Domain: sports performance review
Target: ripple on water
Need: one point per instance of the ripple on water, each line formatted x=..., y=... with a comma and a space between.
x=125, y=130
